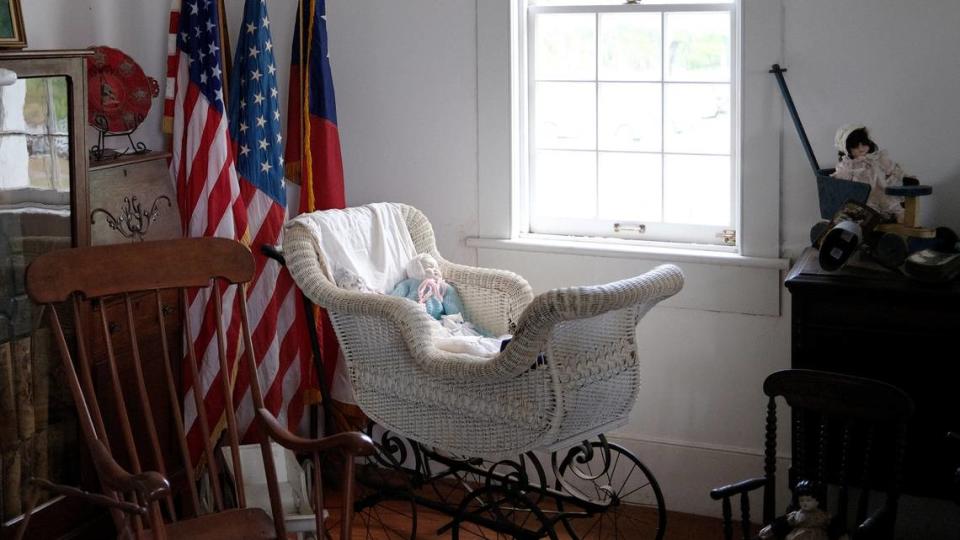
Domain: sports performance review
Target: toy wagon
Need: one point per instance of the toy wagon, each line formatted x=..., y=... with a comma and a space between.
x=469, y=436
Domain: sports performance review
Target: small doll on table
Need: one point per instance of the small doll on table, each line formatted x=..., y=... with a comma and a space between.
x=862, y=161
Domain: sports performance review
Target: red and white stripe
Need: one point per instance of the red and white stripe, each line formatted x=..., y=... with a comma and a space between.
x=214, y=201
x=208, y=194
x=276, y=321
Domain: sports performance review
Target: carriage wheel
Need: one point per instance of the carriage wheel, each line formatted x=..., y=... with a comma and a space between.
x=610, y=475
x=512, y=513
x=504, y=499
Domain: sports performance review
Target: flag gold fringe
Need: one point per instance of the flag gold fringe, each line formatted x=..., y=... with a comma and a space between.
x=292, y=171
x=312, y=396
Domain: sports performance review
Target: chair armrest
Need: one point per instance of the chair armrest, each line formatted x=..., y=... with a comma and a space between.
x=353, y=443
x=877, y=523
x=149, y=485
x=95, y=499
x=738, y=488
x=92, y=498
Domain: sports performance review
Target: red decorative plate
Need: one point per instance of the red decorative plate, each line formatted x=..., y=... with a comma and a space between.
x=119, y=91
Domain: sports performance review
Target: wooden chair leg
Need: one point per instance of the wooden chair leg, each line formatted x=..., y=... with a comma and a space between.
x=347, y=521
x=745, y=515
x=321, y=527
x=727, y=519
x=31, y=504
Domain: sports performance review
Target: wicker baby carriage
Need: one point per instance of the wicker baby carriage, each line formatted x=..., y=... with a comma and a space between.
x=571, y=371
x=506, y=405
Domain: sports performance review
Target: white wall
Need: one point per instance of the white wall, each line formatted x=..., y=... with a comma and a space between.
x=406, y=79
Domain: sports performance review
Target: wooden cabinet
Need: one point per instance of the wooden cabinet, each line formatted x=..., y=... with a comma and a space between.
x=881, y=325
x=49, y=196
x=43, y=206
x=138, y=188
x=132, y=182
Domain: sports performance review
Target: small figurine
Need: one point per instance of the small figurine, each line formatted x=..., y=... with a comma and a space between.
x=808, y=522
x=862, y=161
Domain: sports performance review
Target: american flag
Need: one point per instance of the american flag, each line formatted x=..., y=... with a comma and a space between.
x=209, y=197
x=208, y=194
x=277, y=318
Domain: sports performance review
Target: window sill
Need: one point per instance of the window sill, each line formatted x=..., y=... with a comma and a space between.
x=615, y=248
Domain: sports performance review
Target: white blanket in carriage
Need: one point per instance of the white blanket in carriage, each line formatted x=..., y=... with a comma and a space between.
x=367, y=249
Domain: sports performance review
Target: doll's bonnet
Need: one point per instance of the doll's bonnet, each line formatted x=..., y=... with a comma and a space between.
x=840, y=140
x=423, y=266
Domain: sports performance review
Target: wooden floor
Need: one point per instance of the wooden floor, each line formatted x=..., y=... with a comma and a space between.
x=390, y=521
x=394, y=520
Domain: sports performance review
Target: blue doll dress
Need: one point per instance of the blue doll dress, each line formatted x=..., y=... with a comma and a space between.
x=451, y=304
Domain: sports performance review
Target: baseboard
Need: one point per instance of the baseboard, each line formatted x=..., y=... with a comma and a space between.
x=687, y=472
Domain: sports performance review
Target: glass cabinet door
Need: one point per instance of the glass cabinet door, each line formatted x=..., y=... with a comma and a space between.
x=39, y=167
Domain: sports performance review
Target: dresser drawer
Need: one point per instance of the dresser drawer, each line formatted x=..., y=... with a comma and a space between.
x=145, y=178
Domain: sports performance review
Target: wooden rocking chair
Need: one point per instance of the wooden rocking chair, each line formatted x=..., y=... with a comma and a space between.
x=79, y=284
x=849, y=433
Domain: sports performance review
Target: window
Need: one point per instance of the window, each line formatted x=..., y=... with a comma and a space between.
x=629, y=120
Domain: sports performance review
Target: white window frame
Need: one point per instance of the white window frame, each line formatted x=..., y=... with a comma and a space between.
x=760, y=28
x=653, y=233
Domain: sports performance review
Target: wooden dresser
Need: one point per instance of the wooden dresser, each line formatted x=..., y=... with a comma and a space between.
x=142, y=179
x=881, y=325
x=115, y=185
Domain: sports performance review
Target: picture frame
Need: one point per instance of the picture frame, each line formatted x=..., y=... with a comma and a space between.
x=12, y=32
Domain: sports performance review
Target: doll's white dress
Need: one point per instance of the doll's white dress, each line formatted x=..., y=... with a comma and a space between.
x=806, y=525
x=879, y=171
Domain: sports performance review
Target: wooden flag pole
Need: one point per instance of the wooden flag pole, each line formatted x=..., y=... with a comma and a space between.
x=302, y=82
x=224, y=48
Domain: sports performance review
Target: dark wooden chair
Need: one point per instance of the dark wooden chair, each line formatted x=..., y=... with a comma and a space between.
x=849, y=434
x=79, y=285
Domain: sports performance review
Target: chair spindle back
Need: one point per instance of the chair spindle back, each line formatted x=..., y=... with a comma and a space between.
x=145, y=282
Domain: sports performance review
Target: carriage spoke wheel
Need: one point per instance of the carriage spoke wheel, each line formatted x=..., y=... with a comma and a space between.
x=487, y=496
x=384, y=507
x=612, y=476
x=512, y=510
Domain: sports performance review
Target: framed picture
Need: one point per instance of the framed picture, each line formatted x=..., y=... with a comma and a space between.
x=12, y=35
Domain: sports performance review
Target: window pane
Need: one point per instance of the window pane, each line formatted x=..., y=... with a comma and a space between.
x=630, y=116
x=698, y=46
x=565, y=184
x=565, y=46
x=630, y=186
x=566, y=116
x=630, y=47
x=697, y=118
x=697, y=190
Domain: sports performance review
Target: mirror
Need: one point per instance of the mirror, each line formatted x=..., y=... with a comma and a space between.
x=37, y=423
